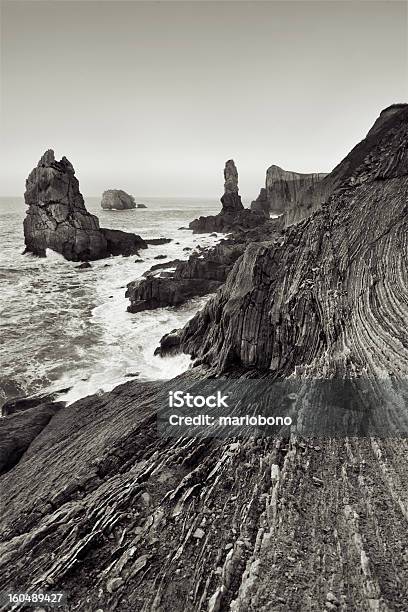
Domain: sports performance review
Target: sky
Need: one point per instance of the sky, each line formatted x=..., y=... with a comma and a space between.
x=154, y=97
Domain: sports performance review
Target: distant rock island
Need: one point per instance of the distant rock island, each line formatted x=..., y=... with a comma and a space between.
x=58, y=219
x=233, y=215
x=117, y=199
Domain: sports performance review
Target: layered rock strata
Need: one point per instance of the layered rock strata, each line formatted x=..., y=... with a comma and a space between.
x=311, y=198
x=331, y=288
x=120, y=518
x=200, y=275
x=283, y=190
x=233, y=215
x=117, y=199
x=57, y=218
x=204, y=272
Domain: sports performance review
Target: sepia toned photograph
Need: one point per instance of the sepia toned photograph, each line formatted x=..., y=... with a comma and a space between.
x=204, y=306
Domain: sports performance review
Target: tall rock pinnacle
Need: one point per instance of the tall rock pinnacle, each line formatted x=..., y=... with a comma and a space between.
x=58, y=219
x=231, y=201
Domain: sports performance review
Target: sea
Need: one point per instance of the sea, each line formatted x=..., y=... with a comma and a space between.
x=67, y=330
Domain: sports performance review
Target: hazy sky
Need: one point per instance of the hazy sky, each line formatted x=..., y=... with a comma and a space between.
x=153, y=97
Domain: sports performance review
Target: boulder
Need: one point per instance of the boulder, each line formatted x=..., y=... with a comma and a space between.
x=155, y=241
x=117, y=199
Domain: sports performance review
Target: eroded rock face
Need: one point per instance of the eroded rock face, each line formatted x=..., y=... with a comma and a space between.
x=204, y=272
x=117, y=199
x=57, y=218
x=104, y=508
x=261, y=204
x=331, y=289
x=231, y=200
x=283, y=190
x=200, y=275
x=313, y=196
x=233, y=215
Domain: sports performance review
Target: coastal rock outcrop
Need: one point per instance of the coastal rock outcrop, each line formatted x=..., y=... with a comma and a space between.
x=57, y=218
x=283, y=190
x=102, y=506
x=261, y=204
x=313, y=196
x=117, y=199
x=200, y=275
x=330, y=290
x=204, y=272
x=233, y=215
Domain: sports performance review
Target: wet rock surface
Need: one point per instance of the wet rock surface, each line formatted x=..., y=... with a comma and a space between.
x=101, y=506
x=204, y=272
x=293, y=302
x=57, y=218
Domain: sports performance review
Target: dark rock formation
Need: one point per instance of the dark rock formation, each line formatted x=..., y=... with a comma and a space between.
x=203, y=273
x=293, y=303
x=233, y=215
x=311, y=198
x=141, y=206
x=121, y=518
x=18, y=431
x=261, y=204
x=231, y=200
x=155, y=241
x=19, y=404
x=200, y=275
x=57, y=218
x=84, y=266
x=123, y=243
x=117, y=199
x=283, y=190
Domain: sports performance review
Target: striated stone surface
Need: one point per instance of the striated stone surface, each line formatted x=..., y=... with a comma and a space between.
x=117, y=199
x=330, y=288
x=204, y=272
x=261, y=204
x=314, y=196
x=200, y=275
x=19, y=429
x=283, y=190
x=233, y=215
x=122, y=519
x=57, y=218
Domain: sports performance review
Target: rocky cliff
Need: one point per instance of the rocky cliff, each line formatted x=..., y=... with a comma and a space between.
x=101, y=506
x=320, y=293
x=57, y=218
x=204, y=271
x=312, y=197
x=283, y=190
x=233, y=215
x=117, y=199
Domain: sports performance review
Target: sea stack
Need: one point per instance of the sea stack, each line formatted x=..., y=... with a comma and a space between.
x=57, y=217
x=117, y=199
x=231, y=201
x=233, y=216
